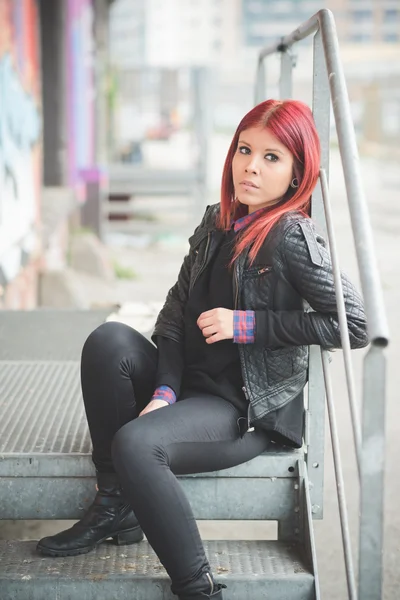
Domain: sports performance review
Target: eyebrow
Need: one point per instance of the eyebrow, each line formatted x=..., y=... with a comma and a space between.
x=266, y=150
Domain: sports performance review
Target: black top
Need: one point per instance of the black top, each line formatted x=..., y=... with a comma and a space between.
x=215, y=368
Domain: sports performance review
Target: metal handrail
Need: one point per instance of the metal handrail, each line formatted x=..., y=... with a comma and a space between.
x=337, y=461
x=370, y=281
x=370, y=442
x=344, y=330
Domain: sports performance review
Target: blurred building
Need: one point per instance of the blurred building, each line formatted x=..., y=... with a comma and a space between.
x=209, y=32
x=228, y=34
x=367, y=21
x=128, y=33
x=177, y=33
x=358, y=21
x=263, y=21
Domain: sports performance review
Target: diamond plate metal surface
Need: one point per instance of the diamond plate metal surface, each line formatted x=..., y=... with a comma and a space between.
x=42, y=408
x=47, y=334
x=234, y=558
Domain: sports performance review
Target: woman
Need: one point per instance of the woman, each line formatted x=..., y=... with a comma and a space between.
x=230, y=357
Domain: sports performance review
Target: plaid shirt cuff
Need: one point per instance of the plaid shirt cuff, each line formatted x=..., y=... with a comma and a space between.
x=164, y=392
x=244, y=324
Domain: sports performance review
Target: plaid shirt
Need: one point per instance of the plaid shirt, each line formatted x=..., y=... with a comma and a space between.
x=247, y=219
x=244, y=324
x=164, y=392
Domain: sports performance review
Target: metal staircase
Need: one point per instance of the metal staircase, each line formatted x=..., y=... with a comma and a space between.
x=45, y=466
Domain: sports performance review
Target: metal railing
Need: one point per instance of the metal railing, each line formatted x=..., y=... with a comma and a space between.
x=369, y=430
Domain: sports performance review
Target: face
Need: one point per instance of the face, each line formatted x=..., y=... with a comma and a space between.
x=262, y=169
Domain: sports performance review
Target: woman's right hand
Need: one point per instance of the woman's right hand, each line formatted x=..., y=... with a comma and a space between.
x=153, y=405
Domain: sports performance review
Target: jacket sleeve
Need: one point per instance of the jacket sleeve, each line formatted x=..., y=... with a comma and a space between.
x=171, y=314
x=169, y=364
x=307, y=266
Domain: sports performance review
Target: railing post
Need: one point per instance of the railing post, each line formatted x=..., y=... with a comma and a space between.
x=202, y=101
x=259, y=92
x=337, y=461
x=316, y=387
x=372, y=476
x=286, y=78
x=321, y=103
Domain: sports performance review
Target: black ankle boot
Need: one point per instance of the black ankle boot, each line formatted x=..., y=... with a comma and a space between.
x=110, y=516
x=212, y=590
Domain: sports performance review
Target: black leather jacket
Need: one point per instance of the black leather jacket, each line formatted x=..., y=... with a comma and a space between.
x=290, y=286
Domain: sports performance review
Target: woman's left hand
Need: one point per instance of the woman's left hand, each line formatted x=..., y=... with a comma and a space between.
x=216, y=324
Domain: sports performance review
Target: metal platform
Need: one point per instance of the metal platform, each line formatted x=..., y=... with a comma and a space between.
x=47, y=334
x=256, y=570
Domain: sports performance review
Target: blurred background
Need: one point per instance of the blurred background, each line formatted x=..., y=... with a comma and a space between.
x=115, y=120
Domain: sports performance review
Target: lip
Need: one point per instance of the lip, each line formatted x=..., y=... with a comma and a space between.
x=248, y=183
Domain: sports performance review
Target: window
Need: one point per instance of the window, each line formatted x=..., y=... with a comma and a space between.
x=361, y=37
x=255, y=8
x=391, y=14
x=361, y=15
x=391, y=37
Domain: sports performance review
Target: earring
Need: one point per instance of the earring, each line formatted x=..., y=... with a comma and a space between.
x=295, y=183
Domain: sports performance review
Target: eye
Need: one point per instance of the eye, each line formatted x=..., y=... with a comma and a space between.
x=244, y=150
x=273, y=157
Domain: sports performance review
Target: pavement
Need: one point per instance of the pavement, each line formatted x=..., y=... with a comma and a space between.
x=154, y=251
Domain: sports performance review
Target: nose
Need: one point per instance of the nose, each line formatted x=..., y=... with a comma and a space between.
x=252, y=166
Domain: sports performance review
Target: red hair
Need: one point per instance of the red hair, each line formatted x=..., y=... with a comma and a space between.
x=292, y=123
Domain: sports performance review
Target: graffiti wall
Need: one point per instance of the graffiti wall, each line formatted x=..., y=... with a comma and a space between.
x=20, y=132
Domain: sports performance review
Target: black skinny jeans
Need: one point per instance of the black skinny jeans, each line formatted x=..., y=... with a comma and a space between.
x=198, y=433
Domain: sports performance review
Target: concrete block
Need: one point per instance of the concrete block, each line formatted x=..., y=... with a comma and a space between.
x=62, y=289
x=89, y=255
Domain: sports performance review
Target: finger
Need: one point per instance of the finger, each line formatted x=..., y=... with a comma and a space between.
x=205, y=323
x=208, y=313
x=217, y=337
x=208, y=331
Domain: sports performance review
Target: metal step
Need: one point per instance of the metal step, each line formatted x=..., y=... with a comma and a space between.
x=46, y=470
x=251, y=570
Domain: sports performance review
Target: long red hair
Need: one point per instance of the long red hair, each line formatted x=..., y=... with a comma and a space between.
x=292, y=123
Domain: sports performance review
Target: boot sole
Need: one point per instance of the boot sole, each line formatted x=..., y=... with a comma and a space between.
x=122, y=538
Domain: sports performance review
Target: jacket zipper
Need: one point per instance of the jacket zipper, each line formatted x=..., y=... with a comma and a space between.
x=236, y=287
x=249, y=427
x=263, y=270
x=211, y=583
x=204, y=262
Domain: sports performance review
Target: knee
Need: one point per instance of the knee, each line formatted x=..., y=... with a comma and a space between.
x=134, y=446
x=108, y=337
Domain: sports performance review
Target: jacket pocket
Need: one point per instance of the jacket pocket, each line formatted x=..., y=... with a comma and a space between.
x=279, y=364
x=257, y=286
x=257, y=271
